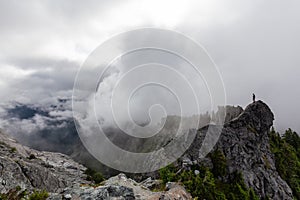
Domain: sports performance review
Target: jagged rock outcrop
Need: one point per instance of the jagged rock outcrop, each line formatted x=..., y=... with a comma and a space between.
x=31, y=169
x=121, y=187
x=64, y=178
x=245, y=143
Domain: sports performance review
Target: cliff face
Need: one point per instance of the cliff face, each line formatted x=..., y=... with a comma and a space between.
x=245, y=143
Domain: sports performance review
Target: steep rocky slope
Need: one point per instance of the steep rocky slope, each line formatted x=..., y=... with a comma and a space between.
x=29, y=169
x=32, y=169
x=244, y=141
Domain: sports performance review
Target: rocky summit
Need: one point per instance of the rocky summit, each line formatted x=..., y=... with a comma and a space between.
x=244, y=142
x=243, y=145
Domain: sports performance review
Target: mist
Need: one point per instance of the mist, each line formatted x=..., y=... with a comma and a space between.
x=254, y=45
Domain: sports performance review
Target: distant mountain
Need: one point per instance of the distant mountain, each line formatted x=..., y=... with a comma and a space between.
x=43, y=127
x=51, y=127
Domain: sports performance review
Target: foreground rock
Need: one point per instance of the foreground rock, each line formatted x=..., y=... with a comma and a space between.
x=63, y=178
x=121, y=187
x=31, y=169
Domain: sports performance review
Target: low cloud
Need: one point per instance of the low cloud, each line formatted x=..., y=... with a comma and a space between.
x=43, y=44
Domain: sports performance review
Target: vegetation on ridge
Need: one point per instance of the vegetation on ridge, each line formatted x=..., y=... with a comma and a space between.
x=19, y=194
x=204, y=183
x=210, y=184
x=286, y=149
x=94, y=176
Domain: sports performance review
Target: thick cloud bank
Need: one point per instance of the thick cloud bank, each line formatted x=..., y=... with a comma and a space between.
x=255, y=44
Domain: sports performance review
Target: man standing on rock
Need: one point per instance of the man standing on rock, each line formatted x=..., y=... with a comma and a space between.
x=253, y=96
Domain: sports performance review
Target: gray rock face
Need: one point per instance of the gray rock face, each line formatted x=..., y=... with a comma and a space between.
x=245, y=143
x=31, y=169
x=65, y=179
x=121, y=187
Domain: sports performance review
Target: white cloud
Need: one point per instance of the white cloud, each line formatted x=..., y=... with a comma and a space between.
x=254, y=43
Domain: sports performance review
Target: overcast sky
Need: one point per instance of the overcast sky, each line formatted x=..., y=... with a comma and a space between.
x=255, y=45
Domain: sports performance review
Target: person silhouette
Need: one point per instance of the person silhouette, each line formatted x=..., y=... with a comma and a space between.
x=253, y=96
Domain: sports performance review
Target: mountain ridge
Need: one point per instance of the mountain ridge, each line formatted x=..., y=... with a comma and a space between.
x=244, y=142
x=243, y=145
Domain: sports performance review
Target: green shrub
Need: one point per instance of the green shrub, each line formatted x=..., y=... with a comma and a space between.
x=219, y=163
x=168, y=174
x=31, y=157
x=205, y=185
x=201, y=185
x=94, y=176
x=293, y=139
x=252, y=195
x=98, y=177
x=13, y=150
x=39, y=195
x=14, y=194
